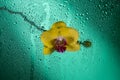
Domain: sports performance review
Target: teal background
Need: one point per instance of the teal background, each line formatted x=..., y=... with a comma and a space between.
x=21, y=56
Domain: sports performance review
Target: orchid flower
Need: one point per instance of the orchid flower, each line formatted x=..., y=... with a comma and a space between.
x=60, y=38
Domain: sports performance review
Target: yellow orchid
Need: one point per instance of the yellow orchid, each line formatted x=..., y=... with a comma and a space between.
x=60, y=38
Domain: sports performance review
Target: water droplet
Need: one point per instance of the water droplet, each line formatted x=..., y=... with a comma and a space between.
x=68, y=9
x=111, y=13
x=48, y=67
x=59, y=58
x=11, y=40
x=113, y=32
x=82, y=14
x=87, y=13
x=106, y=13
x=31, y=45
x=1, y=45
x=82, y=32
x=61, y=5
x=87, y=18
x=65, y=1
x=103, y=11
x=100, y=7
x=106, y=5
x=40, y=59
x=90, y=0
x=76, y=14
x=28, y=48
x=1, y=31
x=32, y=69
x=101, y=0
x=24, y=53
x=36, y=36
x=23, y=32
x=15, y=23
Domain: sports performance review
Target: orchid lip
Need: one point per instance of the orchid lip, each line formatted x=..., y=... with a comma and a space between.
x=60, y=44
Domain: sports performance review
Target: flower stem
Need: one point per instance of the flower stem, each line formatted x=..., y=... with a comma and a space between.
x=41, y=28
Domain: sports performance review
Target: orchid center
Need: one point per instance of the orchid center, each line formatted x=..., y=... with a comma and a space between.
x=60, y=44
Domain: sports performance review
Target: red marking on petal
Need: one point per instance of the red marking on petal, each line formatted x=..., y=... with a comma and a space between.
x=60, y=44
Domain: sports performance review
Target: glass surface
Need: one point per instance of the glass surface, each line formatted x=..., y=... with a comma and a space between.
x=21, y=56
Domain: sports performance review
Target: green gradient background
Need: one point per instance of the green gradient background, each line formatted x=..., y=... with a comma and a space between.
x=21, y=56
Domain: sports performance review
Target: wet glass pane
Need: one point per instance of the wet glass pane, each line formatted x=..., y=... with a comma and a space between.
x=21, y=50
